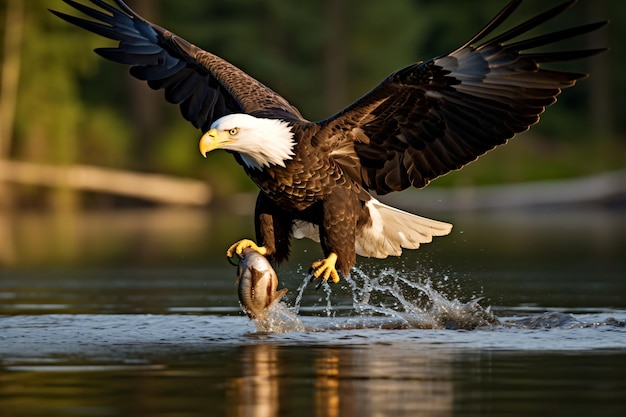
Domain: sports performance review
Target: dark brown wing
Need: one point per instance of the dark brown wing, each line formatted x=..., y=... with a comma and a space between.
x=433, y=117
x=205, y=86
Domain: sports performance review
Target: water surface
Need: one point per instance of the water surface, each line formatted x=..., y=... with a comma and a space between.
x=136, y=314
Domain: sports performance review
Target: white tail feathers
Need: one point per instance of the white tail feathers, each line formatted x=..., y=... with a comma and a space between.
x=392, y=229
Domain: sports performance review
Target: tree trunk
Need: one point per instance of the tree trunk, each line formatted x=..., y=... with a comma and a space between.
x=11, y=61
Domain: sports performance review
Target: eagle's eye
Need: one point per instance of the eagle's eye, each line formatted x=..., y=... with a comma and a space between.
x=233, y=131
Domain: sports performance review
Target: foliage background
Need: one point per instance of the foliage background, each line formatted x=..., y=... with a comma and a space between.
x=74, y=107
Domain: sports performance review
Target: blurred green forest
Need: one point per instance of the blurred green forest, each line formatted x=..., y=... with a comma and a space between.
x=62, y=104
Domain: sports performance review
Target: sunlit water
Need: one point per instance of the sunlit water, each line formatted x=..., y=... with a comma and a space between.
x=506, y=317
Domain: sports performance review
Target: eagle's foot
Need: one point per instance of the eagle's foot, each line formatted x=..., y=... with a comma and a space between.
x=238, y=247
x=325, y=269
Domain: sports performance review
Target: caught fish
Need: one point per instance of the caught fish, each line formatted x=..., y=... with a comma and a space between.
x=257, y=283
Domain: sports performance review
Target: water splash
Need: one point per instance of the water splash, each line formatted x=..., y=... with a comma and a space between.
x=415, y=304
x=279, y=319
x=560, y=320
x=388, y=298
x=396, y=299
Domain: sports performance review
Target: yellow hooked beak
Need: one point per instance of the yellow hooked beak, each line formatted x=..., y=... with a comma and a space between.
x=210, y=141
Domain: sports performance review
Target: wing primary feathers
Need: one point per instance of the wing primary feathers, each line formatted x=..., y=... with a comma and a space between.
x=186, y=72
x=494, y=23
x=146, y=73
x=130, y=58
x=100, y=29
x=530, y=24
x=549, y=57
x=91, y=12
x=553, y=37
x=119, y=26
x=112, y=9
x=449, y=110
x=121, y=4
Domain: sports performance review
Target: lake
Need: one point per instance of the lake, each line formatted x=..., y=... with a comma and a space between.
x=135, y=313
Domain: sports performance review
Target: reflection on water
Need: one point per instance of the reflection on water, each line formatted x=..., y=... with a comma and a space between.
x=262, y=380
x=364, y=373
x=257, y=391
x=136, y=313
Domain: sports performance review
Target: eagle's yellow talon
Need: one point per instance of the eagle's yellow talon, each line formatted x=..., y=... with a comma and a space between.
x=326, y=268
x=238, y=247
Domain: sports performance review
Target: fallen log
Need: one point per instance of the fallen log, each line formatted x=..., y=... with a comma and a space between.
x=151, y=187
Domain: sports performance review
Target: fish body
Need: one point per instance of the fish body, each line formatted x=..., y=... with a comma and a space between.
x=257, y=283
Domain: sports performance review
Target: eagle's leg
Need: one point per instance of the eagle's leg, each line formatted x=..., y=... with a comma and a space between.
x=238, y=247
x=340, y=211
x=325, y=268
x=273, y=227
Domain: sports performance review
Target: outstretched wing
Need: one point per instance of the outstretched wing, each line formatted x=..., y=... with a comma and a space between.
x=205, y=86
x=434, y=117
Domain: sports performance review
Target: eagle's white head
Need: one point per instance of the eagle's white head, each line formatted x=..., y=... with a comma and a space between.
x=260, y=142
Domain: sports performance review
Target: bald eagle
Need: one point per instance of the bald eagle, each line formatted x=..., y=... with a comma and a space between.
x=316, y=179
